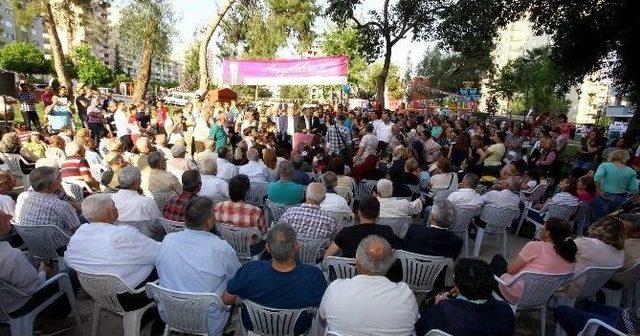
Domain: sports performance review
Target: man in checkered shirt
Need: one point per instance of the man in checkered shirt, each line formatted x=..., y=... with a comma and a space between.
x=308, y=220
x=338, y=136
x=27, y=105
x=176, y=208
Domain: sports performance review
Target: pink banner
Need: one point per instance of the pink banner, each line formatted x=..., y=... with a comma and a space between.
x=308, y=71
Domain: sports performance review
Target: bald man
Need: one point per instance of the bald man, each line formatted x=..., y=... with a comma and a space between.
x=255, y=170
x=369, y=303
x=308, y=220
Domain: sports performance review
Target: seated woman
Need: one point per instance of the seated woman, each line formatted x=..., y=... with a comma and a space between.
x=586, y=188
x=443, y=179
x=554, y=254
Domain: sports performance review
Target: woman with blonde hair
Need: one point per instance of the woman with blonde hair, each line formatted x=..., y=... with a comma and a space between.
x=615, y=183
x=270, y=159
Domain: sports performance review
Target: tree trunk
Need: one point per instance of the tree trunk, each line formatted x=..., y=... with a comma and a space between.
x=381, y=81
x=144, y=72
x=56, y=47
x=204, y=45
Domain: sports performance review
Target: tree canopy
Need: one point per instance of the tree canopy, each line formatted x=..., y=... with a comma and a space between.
x=345, y=41
x=446, y=71
x=24, y=58
x=190, y=72
x=394, y=82
x=89, y=68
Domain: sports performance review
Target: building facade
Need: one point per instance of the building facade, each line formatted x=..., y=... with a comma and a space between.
x=10, y=31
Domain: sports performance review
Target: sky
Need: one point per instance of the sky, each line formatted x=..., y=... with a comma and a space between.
x=195, y=13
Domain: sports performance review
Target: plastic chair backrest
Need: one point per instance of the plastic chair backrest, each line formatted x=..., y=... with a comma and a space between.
x=73, y=190
x=420, y=272
x=162, y=198
x=498, y=218
x=239, y=238
x=538, y=287
x=464, y=215
x=592, y=326
x=560, y=211
x=311, y=249
x=343, y=219
x=273, y=322
x=630, y=275
x=536, y=194
x=592, y=279
x=346, y=193
x=170, y=226
x=364, y=188
x=344, y=268
x=7, y=290
x=13, y=162
x=275, y=211
x=399, y=225
x=257, y=192
x=43, y=240
x=437, y=332
x=104, y=289
x=182, y=311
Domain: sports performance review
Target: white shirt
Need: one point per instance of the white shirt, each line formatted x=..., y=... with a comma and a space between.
x=214, y=187
x=122, y=123
x=226, y=169
x=7, y=205
x=113, y=249
x=503, y=198
x=465, y=197
x=369, y=305
x=135, y=207
x=392, y=207
x=383, y=131
x=255, y=171
x=335, y=202
x=201, y=157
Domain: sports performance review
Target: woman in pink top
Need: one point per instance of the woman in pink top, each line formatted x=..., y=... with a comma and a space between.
x=555, y=254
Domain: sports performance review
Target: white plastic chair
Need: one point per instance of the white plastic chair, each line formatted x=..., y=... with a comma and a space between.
x=347, y=194
x=419, y=271
x=170, y=226
x=104, y=290
x=613, y=297
x=257, y=192
x=582, y=217
x=593, y=325
x=464, y=216
x=311, y=249
x=149, y=228
x=73, y=190
x=344, y=219
x=162, y=198
x=184, y=312
x=551, y=211
x=275, y=211
x=13, y=163
x=43, y=240
x=23, y=325
x=240, y=239
x=364, y=189
x=399, y=225
x=436, y=332
x=497, y=219
x=273, y=322
x=344, y=268
x=538, y=289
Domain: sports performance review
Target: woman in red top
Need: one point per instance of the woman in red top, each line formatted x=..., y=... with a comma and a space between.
x=75, y=167
x=161, y=115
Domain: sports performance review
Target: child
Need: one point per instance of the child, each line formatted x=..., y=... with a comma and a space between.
x=586, y=189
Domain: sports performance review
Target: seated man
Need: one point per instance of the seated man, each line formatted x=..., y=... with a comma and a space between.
x=392, y=207
x=176, y=207
x=467, y=195
x=282, y=283
x=434, y=239
x=17, y=271
x=473, y=311
x=508, y=197
x=255, y=170
x=208, y=153
x=573, y=320
x=156, y=178
x=285, y=191
x=333, y=201
x=42, y=206
x=226, y=169
x=179, y=164
x=299, y=176
x=131, y=204
x=308, y=220
x=212, y=185
x=195, y=260
x=350, y=237
x=369, y=303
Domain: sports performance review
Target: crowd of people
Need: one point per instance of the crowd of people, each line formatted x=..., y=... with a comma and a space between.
x=197, y=165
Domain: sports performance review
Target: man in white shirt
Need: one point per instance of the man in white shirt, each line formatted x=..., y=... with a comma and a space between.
x=212, y=185
x=121, y=121
x=369, y=303
x=226, y=169
x=392, y=207
x=208, y=153
x=467, y=195
x=102, y=247
x=506, y=198
x=255, y=170
x=195, y=260
x=383, y=128
x=333, y=201
x=131, y=204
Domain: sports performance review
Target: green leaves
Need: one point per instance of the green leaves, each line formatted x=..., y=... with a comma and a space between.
x=89, y=68
x=347, y=42
x=24, y=58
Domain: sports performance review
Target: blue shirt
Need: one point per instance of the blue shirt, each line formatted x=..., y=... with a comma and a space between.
x=302, y=287
x=59, y=118
x=199, y=262
x=285, y=192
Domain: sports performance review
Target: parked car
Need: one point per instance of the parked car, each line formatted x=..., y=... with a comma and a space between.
x=178, y=98
x=105, y=90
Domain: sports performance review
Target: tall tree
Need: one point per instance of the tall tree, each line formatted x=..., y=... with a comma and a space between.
x=204, y=44
x=370, y=84
x=345, y=41
x=145, y=29
x=56, y=48
x=383, y=28
x=191, y=70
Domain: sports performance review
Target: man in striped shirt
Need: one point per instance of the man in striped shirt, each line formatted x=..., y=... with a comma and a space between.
x=27, y=105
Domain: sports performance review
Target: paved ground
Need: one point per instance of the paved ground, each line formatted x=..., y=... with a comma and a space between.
x=527, y=323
